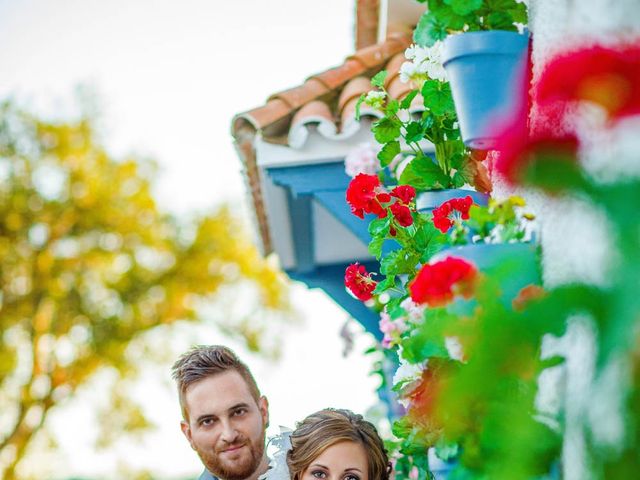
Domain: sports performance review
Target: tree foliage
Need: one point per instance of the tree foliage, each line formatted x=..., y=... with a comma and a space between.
x=88, y=263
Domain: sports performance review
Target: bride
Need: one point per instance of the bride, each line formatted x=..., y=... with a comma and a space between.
x=333, y=444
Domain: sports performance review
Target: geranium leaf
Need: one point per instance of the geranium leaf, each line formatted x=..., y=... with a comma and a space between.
x=398, y=262
x=379, y=226
x=424, y=174
x=500, y=21
x=464, y=7
x=375, y=247
x=386, y=284
x=414, y=133
x=437, y=97
x=429, y=30
x=388, y=152
x=379, y=78
x=386, y=130
x=406, y=101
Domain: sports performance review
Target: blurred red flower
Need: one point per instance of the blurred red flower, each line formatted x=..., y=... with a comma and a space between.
x=437, y=284
x=607, y=76
x=359, y=282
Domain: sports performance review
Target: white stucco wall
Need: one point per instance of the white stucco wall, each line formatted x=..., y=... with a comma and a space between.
x=573, y=233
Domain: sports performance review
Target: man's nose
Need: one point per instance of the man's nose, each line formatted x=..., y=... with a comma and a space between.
x=229, y=433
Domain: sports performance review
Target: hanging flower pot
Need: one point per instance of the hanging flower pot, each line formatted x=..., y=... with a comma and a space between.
x=487, y=71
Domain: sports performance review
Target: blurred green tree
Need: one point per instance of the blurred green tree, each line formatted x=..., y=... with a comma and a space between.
x=89, y=263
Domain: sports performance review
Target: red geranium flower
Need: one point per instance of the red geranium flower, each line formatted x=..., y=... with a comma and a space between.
x=365, y=195
x=405, y=193
x=445, y=215
x=437, y=284
x=608, y=76
x=517, y=152
x=359, y=282
x=402, y=214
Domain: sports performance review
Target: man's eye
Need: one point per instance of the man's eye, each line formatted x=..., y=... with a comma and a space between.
x=207, y=422
x=319, y=474
x=240, y=411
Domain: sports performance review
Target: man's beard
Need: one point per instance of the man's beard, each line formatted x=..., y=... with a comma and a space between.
x=235, y=470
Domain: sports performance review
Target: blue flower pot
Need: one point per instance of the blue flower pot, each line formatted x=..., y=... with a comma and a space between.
x=487, y=71
x=427, y=201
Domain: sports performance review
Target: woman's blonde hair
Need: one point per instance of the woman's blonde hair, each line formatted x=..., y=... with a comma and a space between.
x=327, y=427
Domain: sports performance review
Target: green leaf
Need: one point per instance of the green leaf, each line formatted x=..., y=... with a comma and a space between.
x=398, y=262
x=388, y=153
x=429, y=30
x=358, y=104
x=424, y=174
x=386, y=284
x=464, y=7
x=500, y=21
x=375, y=247
x=386, y=130
x=406, y=101
x=392, y=107
x=429, y=240
x=414, y=133
x=379, y=226
x=437, y=97
x=379, y=78
x=519, y=13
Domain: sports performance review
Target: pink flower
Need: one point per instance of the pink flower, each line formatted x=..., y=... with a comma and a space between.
x=362, y=159
x=392, y=329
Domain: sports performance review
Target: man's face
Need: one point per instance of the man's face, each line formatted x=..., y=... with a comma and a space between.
x=225, y=426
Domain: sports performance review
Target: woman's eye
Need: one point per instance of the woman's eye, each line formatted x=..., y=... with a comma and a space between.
x=351, y=476
x=319, y=474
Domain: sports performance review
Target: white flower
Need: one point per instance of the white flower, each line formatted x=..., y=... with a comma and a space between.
x=408, y=71
x=454, y=348
x=362, y=159
x=424, y=63
x=375, y=99
x=408, y=375
x=414, y=311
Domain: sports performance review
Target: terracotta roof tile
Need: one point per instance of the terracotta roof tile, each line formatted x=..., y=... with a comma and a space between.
x=338, y=76
x=353, y=90
x=375, y=55
x=398, y=89
x=270, y=113
x=298, y=96
x=313, y=110
x=393, y=68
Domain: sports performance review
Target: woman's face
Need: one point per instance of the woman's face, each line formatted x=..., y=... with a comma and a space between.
x=341, y=461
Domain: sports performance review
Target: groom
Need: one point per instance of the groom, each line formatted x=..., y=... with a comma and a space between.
x=224, y=415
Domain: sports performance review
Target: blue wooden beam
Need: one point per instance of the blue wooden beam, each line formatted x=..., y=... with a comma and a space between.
x=330, y=278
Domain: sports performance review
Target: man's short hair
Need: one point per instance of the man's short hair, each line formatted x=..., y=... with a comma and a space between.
x=204, y=361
